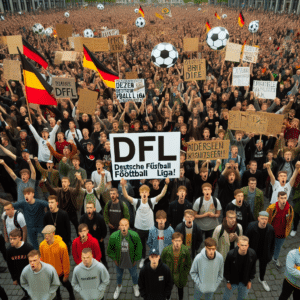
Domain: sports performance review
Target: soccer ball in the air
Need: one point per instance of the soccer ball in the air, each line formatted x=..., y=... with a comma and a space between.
x=136, y=10
x=67, y=14
x=224, y=16
x=253, y=26
x=100, y=6
x=88, y=33
x=217, y=37
x=48, y=31
x=140, y=22
x=38, y=28
x=164, y=55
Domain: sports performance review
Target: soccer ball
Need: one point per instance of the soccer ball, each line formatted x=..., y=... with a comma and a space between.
x=88, y=33
x=2, y=18
x=140, y=22
x=38, y=28
x=164, y=55
x=48, y=31
x=217, y=38
x=67, y=14
x=19, y=12
x=100, y=6
x=136, y=10
x=199, y=8
x=224, y=16
x=253, y=26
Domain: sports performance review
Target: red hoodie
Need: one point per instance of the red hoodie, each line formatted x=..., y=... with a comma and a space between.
x=91, y=243
x=279, y=222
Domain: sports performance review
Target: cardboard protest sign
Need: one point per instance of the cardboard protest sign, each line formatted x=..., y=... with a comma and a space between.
x=14, y=42
x=71, y=42
x=212, y=150
x=124, y=31
x=69, y=56
x=111, y=32
x=131, y=75
x=87, y=101
x=100, y=45
x=11, y=69
x=78, y=44
x=64, y=87
x=116, y=43
x=241, y=76
x=145, y=155
x=265, y=89
x=93, y=44
x=256, y=122
x=190, y=44
x=64, y=30
x=58, y=57
x=250, y=54
x=233, y=52
x=130, y=90
x=3, y=40
x=194, y=69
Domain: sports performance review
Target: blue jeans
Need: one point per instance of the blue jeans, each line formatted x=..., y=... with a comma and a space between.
x=242, y=291
x=133, y=273
x=198, y=294
x=33, y=236
x=278, y=245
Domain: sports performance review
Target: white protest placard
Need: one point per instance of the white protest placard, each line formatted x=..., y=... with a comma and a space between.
x=265, y=89
x=110, y=32
x=130, y=90
x=145, y=155
x=241, y=76
x=250, y=54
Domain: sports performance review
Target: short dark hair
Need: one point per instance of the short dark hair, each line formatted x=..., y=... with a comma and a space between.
x=280, y=194
x=16, y=233
x=34, y=253
x=28, y=190
x=82, y=226
x=177, y=235
x=252, y=179
x=53, y=197
x=86, y=250
x=210, y=242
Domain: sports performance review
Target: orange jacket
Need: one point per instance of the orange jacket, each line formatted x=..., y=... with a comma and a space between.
x=56, y=255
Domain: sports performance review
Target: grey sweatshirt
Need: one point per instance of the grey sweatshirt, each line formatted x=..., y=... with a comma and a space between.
x=42, y=284
x=90, y=282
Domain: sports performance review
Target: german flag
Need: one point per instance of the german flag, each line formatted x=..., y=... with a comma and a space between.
x=241, y=20
x=38, y=91
x=208, y=28
x=217, y=16
x=33, y=54
x=91, y=62
x=142, y=12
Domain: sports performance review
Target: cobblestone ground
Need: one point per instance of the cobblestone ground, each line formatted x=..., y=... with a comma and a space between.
x=273, y=277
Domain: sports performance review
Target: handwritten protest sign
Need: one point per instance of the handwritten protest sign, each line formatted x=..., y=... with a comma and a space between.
x=233, y=52
x=130, y=90
x=265, y=89
x=194, y=69
x=250, y=54
x=145, y=155
x=93, y=44
x=11, y=69
x=14, y=42
x=64, y=87
x=71, y=42
x=241, y=76
x=64, y=30
x=116, y=43
x=190, y=44
x=111, y=32
x=256, y=122
x=58, y=57
x=202, y=150
x=69, y=56
x=87, y=101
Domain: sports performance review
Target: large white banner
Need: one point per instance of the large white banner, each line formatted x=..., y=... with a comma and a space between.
x=241, y=76
x=265, y=89
x=145, y=155
x=130, y=90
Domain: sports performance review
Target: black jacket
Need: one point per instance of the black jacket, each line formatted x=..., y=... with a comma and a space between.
x=155, y=284
x=196, y=236
x=231, y=269
x=97, y=226
x=174, y=217
x=269, y=244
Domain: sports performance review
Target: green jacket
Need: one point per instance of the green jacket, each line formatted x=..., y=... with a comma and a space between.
x=258, y=200
x=180, y=278
x=125, y=212
x=114, y=246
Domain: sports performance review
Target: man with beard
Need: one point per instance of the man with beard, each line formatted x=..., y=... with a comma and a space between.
x=33, y=212
x=60, y=219
x=97, y=227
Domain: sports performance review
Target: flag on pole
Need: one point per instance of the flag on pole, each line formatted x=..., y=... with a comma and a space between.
x=241, y=20
x=217, y=16
x=33, y=54
x=208, y=27
x=142, y=12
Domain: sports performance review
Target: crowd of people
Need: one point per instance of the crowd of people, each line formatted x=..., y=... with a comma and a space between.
x=210, y=223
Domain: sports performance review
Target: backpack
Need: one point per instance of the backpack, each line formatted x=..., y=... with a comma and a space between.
x=15, y=220
x=201, y=203
x=121, y=204
x=76, y=133
x=139, y=203
x=237, y=230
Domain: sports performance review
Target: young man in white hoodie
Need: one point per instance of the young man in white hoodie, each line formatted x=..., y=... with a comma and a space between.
x=90, y=277
x=207, y=270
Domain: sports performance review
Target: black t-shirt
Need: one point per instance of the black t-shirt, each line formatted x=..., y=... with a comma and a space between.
x=241, y=260
x=262, y=235
x=179, y=215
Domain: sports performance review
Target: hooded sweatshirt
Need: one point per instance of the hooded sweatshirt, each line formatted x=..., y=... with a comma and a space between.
x=90, y=282
x=207, y=273
x=56, y=255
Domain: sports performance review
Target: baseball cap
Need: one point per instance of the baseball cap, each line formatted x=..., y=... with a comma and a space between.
x=263, y=214
x=49, y=229
x=45, y=129
x=23, y=130
x=154, y=251
x=25, y=150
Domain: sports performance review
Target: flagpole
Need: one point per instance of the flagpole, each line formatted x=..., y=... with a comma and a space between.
x=118, y=63
x=29, y=115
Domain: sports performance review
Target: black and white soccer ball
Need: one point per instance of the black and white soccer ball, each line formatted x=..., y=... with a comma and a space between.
x=88, y=33
x=253, y=26
x=224, y=16
x=67, y=14
x=164, y=55
x=217, y=38
x=140, y=22
x=100, y=6
x=136, y=10
x=38, y=28
x=49, y=31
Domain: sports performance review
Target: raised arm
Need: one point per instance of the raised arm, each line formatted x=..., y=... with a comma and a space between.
x=164, y=190
x=35, y=134
x=101, y=187
x=8, y=169
x=124, y=191
x=272, y=177
x=8, y=153
x=32, y=169
x=296, y=172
